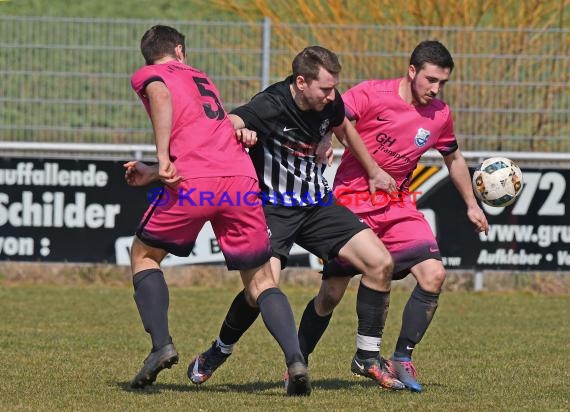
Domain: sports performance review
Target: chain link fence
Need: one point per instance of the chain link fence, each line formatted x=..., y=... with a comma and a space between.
x=66, y=80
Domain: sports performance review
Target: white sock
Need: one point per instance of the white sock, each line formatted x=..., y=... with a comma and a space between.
x=225, y=349
x=368, y=343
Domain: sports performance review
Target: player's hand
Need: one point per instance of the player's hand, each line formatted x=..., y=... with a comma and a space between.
x=246, y=136
x=381, y=180
x=140, y=174
x=324, y=153
x=478, y=218
x=167, y=172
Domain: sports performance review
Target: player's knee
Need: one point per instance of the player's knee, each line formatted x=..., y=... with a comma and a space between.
x=388, y=266
x=378, y=274
x=434, y=281
x=440, y=274
x=438, y=278
x=252, y=292
x=255, y=281
x=144, y=257
x=257, y=287
x=382, y=266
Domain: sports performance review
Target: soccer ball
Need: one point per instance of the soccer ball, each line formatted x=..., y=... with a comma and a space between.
x=497, y=181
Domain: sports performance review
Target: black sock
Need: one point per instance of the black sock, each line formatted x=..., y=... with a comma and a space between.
x=239, y=318
x=416, y=318
x=311, y=329
x=151, y=297
x=278, y=318
x=372, y=310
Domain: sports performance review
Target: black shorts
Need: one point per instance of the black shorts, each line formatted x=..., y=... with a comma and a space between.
x=322, y=230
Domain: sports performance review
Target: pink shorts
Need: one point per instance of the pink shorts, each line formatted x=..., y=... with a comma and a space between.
x=176, y=216
x=406, y=234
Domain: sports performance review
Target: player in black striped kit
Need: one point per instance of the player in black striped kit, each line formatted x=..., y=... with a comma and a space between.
x=294, y=120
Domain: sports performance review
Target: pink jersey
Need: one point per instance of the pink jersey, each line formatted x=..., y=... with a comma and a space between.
x=202, y=142
x=395, y=133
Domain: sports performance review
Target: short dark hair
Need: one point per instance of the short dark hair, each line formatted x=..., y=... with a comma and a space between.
x=308, y=62
x=160, y=41
x=431, y=51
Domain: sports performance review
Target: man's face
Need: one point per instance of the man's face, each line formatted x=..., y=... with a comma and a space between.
x=427, y=82
x=320, y=92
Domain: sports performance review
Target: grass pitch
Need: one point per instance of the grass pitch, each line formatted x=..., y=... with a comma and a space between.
x=77, y=348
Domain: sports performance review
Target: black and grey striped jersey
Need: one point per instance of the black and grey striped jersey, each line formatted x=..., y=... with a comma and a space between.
x=284, y=157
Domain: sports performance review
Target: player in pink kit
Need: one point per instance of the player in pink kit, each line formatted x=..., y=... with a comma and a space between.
x=399, y=120
x=207, y=171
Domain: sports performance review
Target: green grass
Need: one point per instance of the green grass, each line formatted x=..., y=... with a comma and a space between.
x=76, y=348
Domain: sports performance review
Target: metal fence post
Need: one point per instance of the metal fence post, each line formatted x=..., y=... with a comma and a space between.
x=478, y=277
x=266, y=53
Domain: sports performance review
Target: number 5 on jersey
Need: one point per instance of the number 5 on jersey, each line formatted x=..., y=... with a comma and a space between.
x=212, y=114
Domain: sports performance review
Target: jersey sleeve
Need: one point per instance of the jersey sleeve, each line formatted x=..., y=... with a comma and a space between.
x=261, y=103
x=339, y=110
x=356, y=100
x=142, y=78
x=447, y=143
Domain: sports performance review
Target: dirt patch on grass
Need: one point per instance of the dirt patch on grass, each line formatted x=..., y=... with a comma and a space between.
x=212, y=276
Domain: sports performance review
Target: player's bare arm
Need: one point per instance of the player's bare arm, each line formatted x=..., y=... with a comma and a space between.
x=161, y=117
x=244, y=135
x=378, y=179
x=459, y=175
x=324, y=152
x=140, y=174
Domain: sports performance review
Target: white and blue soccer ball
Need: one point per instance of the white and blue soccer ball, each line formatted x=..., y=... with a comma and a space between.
x=497, y=181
